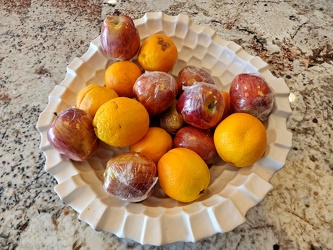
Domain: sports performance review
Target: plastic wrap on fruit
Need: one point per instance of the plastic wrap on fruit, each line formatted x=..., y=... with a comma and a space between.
x=201, y=105
x=130, y=177
x=249, y=93
x=190, y=74
x=156, y=91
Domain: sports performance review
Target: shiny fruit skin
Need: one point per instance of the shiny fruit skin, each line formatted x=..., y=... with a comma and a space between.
x=119, y=37
x=130, y=177
x=156, y=91
x=249, y=93
x=201, y=105
x=72, y=134
x=198, y=140
x=190, y=74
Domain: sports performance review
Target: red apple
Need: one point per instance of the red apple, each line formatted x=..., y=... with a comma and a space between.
x=156, y=91
x=191, y=74
x=249, y=93
x=72, y=134
x=130, y=177
x=198, y=140
x=119, y=37
x=201, y=105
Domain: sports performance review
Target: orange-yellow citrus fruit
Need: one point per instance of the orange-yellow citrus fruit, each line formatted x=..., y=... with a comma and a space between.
x=154, y=144
x=158, y=53
x=91, y=97
x=240, y=139
x=227, y=110
x=121, y=76
x=183, y=175
x=121, y=122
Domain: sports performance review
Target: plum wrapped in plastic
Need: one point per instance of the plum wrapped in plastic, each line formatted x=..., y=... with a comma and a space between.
x=249, y=93
x=156, y=91
x=201, y=105
x=130, y=177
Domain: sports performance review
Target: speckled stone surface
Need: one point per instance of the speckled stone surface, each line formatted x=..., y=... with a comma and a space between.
x=39, y=38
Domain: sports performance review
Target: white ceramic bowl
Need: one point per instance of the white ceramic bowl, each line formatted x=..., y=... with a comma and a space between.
x=161, y=220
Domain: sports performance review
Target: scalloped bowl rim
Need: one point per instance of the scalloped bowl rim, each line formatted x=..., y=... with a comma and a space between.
x=231, y=193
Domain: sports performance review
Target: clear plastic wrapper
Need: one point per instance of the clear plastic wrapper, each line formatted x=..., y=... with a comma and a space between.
x=249, y=93
x=156, y=91
x=191, y=74
x=130, y=177
x=201, y=105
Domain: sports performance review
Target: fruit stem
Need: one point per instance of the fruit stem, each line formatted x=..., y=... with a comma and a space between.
x=212, y=105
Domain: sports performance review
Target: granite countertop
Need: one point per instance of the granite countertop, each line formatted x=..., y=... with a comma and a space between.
x=40, y=38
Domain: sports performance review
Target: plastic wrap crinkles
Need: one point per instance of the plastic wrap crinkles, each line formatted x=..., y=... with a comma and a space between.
x=249, y=93
x=130, y=177
x=201, y=105
x=190, y=74
x=156, y=91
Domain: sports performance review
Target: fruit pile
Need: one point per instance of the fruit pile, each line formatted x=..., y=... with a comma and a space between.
x=174, y=127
